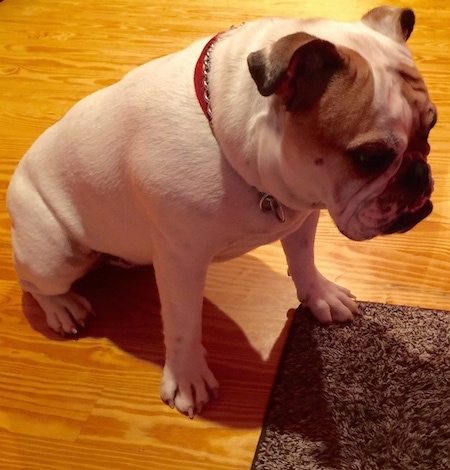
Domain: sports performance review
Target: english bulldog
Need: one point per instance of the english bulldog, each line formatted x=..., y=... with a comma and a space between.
x=235, y=142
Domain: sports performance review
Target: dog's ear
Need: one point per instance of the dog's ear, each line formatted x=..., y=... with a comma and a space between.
x=396, y=23
x=297, y=68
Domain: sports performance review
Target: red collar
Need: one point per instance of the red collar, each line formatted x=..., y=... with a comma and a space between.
x=267, y=203
x=200, y=77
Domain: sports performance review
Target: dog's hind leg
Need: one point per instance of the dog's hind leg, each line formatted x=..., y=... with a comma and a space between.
x=47, y=263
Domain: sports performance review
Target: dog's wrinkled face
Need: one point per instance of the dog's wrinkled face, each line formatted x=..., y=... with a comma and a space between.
x=364, y=115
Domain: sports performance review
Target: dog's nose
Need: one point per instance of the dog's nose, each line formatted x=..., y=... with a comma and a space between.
x=419, y=147
x=416, y=176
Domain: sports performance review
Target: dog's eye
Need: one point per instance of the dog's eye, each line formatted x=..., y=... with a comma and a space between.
x=371, y=159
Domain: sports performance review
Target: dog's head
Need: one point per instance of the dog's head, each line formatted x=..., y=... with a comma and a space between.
x=353, y=118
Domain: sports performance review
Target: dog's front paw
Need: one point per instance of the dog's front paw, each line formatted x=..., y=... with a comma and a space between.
x=327, y=301
x=65, y=313
x=187, y=383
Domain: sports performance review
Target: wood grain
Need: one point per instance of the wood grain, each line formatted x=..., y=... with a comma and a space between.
x=93, y=403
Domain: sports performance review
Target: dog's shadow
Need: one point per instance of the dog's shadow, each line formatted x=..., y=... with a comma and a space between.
x=127, y=312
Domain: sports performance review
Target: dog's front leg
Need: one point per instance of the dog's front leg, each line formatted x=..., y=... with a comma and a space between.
x=187, y=382
x=326, y=300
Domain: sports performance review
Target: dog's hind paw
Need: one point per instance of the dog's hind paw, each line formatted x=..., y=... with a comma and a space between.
x=65, y=313
x=187, y=383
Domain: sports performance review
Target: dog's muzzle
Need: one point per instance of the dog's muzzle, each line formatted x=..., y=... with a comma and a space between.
x=414, y=180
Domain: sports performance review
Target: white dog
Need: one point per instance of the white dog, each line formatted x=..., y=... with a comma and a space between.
x=298, y=116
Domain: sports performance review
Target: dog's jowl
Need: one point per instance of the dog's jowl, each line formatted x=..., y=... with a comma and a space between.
x=237, y=141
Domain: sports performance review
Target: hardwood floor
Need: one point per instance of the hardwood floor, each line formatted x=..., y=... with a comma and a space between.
x=93, y=403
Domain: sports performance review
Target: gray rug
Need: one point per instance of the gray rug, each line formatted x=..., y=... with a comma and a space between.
x=374, y=394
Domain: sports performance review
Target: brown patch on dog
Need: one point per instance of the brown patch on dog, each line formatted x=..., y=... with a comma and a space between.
x=345, y=109
x=414, y=90
x=341, y=119
x=297, y=68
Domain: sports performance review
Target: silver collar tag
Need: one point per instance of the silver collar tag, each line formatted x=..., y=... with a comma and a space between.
x=269, y=204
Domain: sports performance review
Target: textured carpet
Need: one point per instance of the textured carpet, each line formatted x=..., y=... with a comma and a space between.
x=374, y=394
